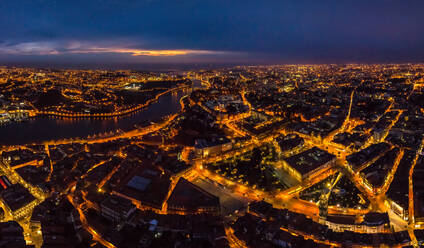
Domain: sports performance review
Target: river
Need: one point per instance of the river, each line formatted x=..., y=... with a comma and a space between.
x=53, y=128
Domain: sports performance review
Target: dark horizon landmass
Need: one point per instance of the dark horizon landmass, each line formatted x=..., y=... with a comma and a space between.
x=164, y=67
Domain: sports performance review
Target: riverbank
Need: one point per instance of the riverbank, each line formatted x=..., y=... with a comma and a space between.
x=47, y=128
x=113, y=114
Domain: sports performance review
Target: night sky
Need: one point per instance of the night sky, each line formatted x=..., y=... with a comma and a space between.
x=109, y=32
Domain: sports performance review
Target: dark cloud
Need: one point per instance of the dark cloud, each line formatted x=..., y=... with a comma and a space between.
x=260, y=31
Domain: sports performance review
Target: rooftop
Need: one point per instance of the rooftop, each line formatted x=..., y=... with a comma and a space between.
x=191, y=197
x=139, y=183
x=309, y=160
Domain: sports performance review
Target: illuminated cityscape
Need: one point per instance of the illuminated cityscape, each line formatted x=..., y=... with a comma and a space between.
x=211, y=124
x=292, y=151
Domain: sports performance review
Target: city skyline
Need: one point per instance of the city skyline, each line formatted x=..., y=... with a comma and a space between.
x=257, y=156
x=211, y=124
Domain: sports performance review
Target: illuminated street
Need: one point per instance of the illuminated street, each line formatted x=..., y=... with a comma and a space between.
x=211, y=124
x=223, y=169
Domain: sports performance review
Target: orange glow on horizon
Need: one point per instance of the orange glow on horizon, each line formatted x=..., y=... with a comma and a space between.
x=138, y=52
x=76, y=47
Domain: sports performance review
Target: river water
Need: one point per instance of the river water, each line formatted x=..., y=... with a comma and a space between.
x=53, y=128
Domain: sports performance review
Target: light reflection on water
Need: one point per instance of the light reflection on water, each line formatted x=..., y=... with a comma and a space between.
x=53, y=128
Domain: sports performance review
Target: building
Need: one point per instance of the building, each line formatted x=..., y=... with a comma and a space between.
x=371, y=222
x=17, y=200
x=11, y=235
x=116, y=208
x=145, y=187
x=309, y=164
x=204, y=148
x=188, y=198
